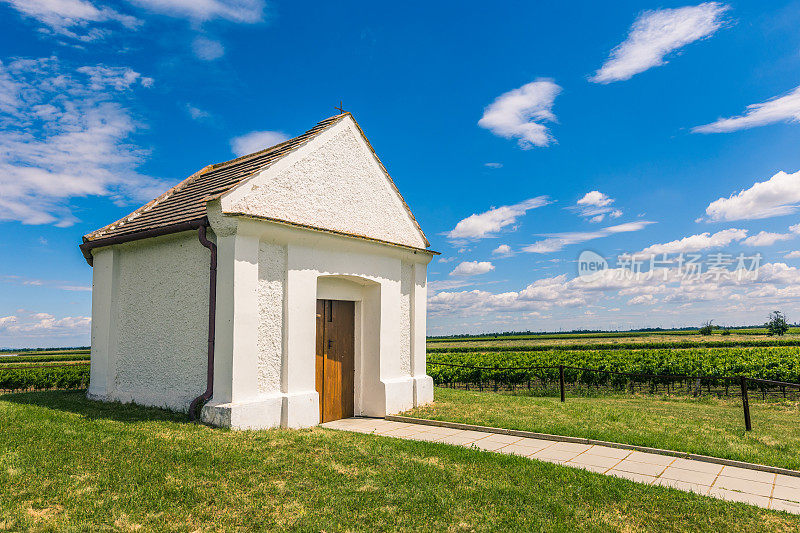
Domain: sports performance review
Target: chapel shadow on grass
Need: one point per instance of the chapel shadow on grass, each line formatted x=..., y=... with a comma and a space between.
x=75, y=401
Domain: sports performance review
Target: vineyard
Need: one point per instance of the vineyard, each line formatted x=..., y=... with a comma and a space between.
x=52, y=369
x=778, y=363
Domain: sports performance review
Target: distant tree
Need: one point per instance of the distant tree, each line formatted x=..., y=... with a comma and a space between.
x=776, y=325
x=726, y=331
x=707, y=328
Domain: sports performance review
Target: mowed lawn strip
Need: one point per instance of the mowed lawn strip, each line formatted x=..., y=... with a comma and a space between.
x=704, y=426
x=70, y=464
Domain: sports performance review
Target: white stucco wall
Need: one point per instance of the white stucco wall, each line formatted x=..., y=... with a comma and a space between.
x=333, y=183
x=271, y=283
x=154, y=317
x=406, y=288
x=270, y=277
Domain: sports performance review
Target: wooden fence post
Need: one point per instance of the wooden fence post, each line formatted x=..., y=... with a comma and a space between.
x=561, y=381
x=745, y=404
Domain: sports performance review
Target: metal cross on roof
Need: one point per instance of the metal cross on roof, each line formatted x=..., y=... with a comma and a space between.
x=340, y=107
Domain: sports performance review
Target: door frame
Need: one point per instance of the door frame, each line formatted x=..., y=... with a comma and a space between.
x=358, y=290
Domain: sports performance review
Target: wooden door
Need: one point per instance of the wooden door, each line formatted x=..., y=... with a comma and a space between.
x=335, y=358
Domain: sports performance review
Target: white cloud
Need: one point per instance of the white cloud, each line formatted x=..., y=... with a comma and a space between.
x=778, y=196
x=773, y=283
x=488, y=223
x=696, y=243
x=503, y=250
x=196, y=113
x=493, y=165
x=66, y=134
x=72, y=18
x=780, y=109
x=518, y=114
x=102, y=77
x=255, y=141
x=540, y=295
x=35, y=324
x=646, y=299
x=472, y=268
x=595, y=199
x=793, y=255
x=558, y=241
x=595, y=205
x=654, y=34
x=765, y=238
x=244, y=11
x=207, y=49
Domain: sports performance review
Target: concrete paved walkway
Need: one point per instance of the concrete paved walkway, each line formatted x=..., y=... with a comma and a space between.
x=764, y=489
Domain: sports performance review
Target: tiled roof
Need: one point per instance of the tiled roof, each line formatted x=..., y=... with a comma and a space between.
x=186, y=201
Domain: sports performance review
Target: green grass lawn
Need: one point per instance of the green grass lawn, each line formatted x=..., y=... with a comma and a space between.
x=704, y=426
x=70, y=464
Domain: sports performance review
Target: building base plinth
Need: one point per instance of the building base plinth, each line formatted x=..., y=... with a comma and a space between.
x=423, y=390
x=260, y=414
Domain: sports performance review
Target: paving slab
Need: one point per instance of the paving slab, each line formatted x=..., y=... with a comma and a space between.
x=635, y=467
x=517, y=449
x=605, y=451
x=689, y=476
x=558, y=455
x=599, y=461
x=489, y=445
x=751, y=484
x=682, y=485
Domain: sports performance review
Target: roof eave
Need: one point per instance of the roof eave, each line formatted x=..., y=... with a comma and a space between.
x=332, y=232
x=88, y=245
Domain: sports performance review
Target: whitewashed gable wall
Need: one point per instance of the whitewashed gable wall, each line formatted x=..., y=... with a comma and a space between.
x=334, y=182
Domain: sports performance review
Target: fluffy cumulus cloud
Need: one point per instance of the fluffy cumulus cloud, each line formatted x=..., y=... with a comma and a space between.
x=503, y=250
x=655, y=34
x=31, y=325
x=76, y=19
x=696, y=243
x=558, y=241
x=540, y=295
x=491, y=222
x=67, y=134
x=643, y=299
x=780, y=109
x=793, y=255
x=255, y=141
x=767, y=285
x=778, y=196
x=766, y=238
x=472, y=268
x=595, y=206
x=520, y=113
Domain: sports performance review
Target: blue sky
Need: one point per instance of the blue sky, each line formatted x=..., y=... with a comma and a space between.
x=520, y=135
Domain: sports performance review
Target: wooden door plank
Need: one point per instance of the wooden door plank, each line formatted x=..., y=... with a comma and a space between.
x=320, y=366
x=335, y=358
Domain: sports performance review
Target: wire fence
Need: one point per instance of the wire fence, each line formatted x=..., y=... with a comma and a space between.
x=581, y=380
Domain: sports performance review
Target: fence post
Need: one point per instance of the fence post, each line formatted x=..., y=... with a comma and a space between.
x=561, y=381
x=745, y=404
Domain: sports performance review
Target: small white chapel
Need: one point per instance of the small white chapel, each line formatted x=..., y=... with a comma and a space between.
x=280, y=289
